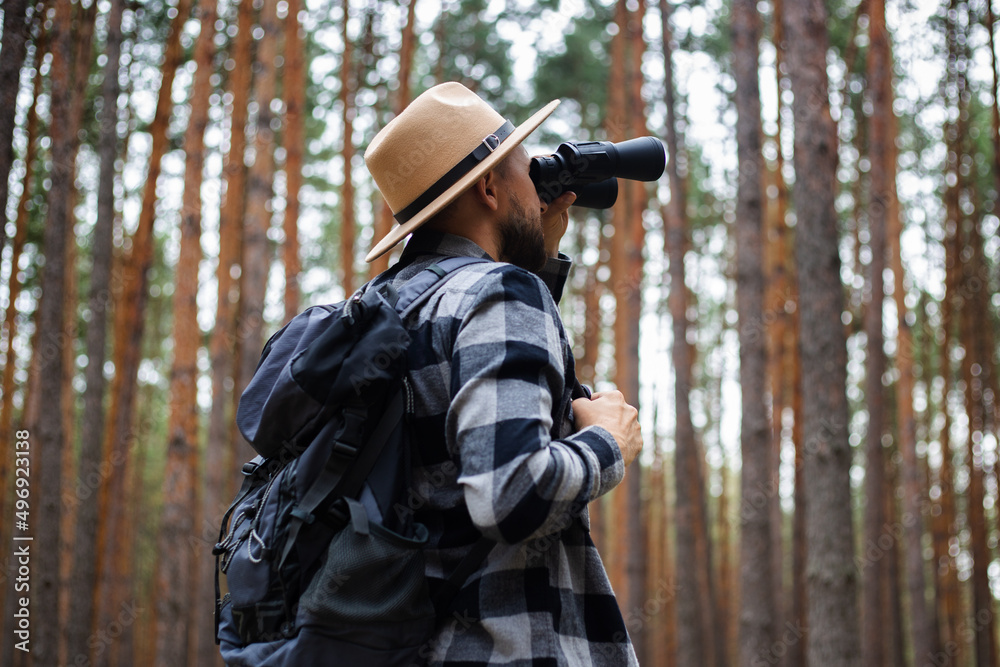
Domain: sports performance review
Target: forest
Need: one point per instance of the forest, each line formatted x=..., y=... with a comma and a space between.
x=804, y=308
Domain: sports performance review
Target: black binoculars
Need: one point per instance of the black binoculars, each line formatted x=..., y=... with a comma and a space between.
x=591, y=169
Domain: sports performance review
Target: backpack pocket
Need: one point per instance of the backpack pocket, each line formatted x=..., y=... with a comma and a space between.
x=371, y=589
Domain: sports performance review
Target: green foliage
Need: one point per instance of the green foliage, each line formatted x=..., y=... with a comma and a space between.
x=577, y=70
x=468, y=48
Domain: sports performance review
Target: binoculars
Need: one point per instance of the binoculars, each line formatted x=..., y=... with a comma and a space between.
x=591, y=169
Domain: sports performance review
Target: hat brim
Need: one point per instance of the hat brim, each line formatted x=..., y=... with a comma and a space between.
x=400, y=232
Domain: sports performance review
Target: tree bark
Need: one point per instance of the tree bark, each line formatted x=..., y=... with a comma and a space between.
x=629, y=303
x=99, y=302
x=995, y=107
x=694, y=600
x=347, y=223
x=383, y=224
x=257, y=250
x=945, y=524
x=48, y=430
x=896, y=644
x=16, y=32
x=180, y=595
x=222, y=453
x=757, y=612
x=295, y=112
x=121, y=434
x=877, y=549
x=883, y=151
x=833, y=637
x=778, y=297
x=10, y=357
x=14, y=287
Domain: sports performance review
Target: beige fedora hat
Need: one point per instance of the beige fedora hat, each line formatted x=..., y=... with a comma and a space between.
x=433, y=151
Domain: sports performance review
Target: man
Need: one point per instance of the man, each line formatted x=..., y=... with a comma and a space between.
x=500, y=447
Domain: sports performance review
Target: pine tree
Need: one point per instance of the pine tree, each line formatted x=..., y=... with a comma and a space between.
x=129, y=326
x=82, y=595
x=874, y=571
x=16, y=33
x=179, y=591
x=832, y=588
x=757, y=609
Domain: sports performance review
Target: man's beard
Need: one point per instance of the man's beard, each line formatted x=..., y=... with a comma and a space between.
x=520, y=240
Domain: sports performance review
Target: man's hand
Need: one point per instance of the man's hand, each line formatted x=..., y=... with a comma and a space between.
x=555, y=220
x=609, y=410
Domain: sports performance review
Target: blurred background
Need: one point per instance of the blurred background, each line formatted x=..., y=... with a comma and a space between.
x=804, y=308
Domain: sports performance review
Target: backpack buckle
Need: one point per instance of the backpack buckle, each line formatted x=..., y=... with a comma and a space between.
x=344, y=450
x=351, y=433
x=302, y=515
x=339, y=513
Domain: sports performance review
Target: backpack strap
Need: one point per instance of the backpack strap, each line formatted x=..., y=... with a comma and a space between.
x=420, y=287
x=223, y=545
x=332, y=480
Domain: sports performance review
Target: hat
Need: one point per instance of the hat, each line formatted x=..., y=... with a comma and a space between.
x=433, y=151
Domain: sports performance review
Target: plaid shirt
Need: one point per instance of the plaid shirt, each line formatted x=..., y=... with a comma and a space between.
x=495, y=454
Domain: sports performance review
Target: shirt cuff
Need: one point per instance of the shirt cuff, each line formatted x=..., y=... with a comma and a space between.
x=611, y=465
x=554, y=274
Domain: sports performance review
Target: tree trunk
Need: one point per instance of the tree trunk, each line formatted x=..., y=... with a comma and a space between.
x=878, y=547
x=896, y=644
x=834, y=635
x=180, y=596
x=129, y=326
x=257, y=250
x=89, y=476
x=657, y=647
x=7, y=430
x=726, y=595
x=223, y=452
x=694, y=603
x=586, y=369
x=995, y=107
x=16, y=32
x=883, y=154
x=973, y=375
x=945, y=524
x=383, y=224
x=616, y=122
x=757, y=613
x=295, y=109
x=787, y=364
x=780, y=349
x=14, y=287
x=83, y=32
x=347, y=191
x=48, y=431
x=629, y=302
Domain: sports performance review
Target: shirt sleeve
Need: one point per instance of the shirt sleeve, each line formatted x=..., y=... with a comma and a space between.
x=507, y=371
x=554, y=274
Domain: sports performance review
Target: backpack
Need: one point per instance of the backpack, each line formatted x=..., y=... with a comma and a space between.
x=319, y=563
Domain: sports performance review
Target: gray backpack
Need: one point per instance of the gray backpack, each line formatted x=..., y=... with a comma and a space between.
x=320, y=567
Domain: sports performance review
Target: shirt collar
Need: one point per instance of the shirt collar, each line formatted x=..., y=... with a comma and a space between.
x=433, y=242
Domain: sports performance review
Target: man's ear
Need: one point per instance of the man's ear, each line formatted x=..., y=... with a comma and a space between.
x=487, y=190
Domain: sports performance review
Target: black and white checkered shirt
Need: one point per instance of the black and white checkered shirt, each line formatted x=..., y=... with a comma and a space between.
x=496, y=454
